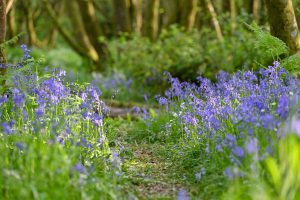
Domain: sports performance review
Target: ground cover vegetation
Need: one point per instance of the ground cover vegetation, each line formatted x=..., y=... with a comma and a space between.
x=149, y=99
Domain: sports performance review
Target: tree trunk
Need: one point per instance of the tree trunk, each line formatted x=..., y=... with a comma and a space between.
x=229, y=7
x=2, y=37
x=136, y=15
x=2, y=32
x=283, y=23
x=203, y=16
x=122, y=17
x=215, y=20
x=11, y=23
x=80, y=33
x=189, y=12
x=92, y=27
x=151, y=19
x=297, y=9
x=255, y=10
x=170, y=12
x=32, y=36
x=233, y=15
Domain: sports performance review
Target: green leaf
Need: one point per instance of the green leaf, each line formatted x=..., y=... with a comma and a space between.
x=274, y=171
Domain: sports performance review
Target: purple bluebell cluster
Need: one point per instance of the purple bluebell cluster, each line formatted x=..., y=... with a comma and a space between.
x=245, y=99
x=229, y=113
x=26, y=51
x=67, y=113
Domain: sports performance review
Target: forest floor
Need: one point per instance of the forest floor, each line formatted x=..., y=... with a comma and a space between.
x=146, y=164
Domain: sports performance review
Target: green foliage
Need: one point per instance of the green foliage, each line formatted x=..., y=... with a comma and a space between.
x=269, y=46
x=146, y=60
x=292, y=64
x=277, y=176
x=11, y=41
x=184, y=54
x=46, y=171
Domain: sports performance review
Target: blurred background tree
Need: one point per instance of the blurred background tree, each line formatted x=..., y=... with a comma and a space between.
x=143, y=38
x=2, y=30
x=283, y=23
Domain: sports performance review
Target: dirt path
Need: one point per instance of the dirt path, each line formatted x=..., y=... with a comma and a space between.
x=151, y=174
x=146, y=164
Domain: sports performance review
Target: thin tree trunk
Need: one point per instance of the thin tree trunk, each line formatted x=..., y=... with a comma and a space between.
x=122, y=17
x=151, y=19
x=11, y=23
x=170, y=12
x=80, y=33
x=215, y=21
x=92, y=28
x=32, y=36
x=189, y=13
x=233, y=15
x=2, y=30
x=297, y=10
x=229, y=7
x=283, y=23
x=255, y=10
x=203, y=16
x=137, y=16
x=2, y=35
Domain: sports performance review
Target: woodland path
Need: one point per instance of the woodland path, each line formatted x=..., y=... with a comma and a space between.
x=146, y=164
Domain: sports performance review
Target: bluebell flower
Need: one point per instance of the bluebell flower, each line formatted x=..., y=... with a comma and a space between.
x=3, y=99
x=79, y=168
x=26, y=52
x=190, y=119
x=230, y=140
x=145, y=97
x=198, y=177
x=20, y=145
x=252, y=145
x=283, y=107
x=238, y=151
x=219, y=147
x=136, y=109
x=25, y=115
x=268, y=121
x=162, y=101
x=7, y=128
x=229, y=173
x=97, y=119
x=18, y=97
x=115, y=159
x=39, y=112
x=182, y=195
